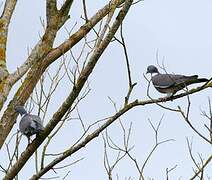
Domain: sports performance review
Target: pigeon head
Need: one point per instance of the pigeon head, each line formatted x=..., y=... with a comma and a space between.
x=152, y=69
x=21, y=110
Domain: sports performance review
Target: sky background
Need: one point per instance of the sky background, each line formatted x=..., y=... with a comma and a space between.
x=181, y=32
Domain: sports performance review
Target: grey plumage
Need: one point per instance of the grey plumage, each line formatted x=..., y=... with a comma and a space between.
x=29, y=124
x=171, y=83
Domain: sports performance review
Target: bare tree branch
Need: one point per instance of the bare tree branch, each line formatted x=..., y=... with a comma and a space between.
x=34, y=94
x=201, y=168
x=37, y=70
x=69, y=101
x=5, y=18
x=169, y=170
x=85, y=10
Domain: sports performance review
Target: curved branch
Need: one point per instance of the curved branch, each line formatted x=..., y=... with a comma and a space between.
x=9, y=116
x=9, y=8
x=71, y=98
x=90, y=137
x=96, y=133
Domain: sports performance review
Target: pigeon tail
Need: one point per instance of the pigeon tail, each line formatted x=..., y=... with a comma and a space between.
x=202, y=80
x=38, y=131
x=195, y=79
x=193, y=76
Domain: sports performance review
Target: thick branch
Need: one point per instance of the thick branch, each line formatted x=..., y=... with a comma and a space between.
x=54, y=22
x=90, y=137
x=73, y=95
x=34, y=61
x=9, y=117
x=66, y=6
x=41, y=49
x=51, y=10
x=9, y=8
x=96, y=133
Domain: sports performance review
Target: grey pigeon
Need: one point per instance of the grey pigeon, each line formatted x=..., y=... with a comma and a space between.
x=29, y=124
x=171, y=83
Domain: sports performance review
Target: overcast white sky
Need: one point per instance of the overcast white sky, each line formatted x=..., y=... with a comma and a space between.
x=181, y=31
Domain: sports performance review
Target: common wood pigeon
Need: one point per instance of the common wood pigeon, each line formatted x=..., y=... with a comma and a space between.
x=29, y=124
x=171, y=83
